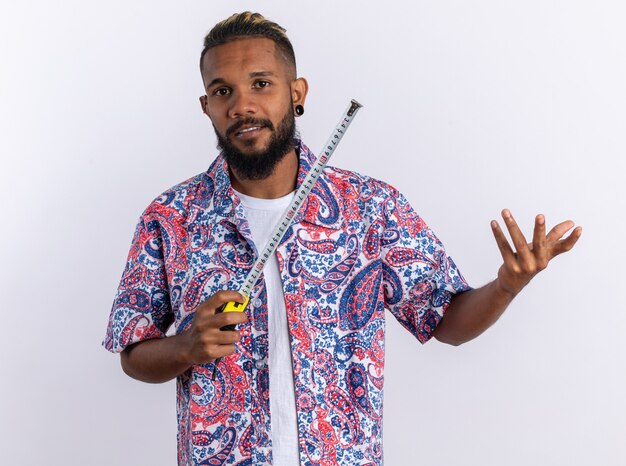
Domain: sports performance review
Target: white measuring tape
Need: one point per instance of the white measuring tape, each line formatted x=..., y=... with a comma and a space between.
x=300, y=196
x=282, y=226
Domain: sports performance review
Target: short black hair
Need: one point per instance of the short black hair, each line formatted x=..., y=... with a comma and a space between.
x=249, y=25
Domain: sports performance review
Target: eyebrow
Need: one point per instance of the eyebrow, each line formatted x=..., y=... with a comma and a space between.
x=260, y=74
x=254, y=74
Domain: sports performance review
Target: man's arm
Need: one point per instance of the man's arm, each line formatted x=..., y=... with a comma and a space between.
x=471, y=313
x=162, y=359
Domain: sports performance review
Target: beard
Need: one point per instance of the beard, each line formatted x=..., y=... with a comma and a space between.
x=259, y=165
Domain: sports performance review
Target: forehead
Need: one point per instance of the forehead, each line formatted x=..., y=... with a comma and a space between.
x=241, y=57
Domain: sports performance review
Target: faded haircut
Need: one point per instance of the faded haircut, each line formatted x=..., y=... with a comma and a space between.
x=249, y=25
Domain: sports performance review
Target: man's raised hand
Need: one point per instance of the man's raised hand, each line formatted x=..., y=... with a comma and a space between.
x=528, y=259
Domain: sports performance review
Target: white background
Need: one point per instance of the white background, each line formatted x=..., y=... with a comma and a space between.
x=470, y=107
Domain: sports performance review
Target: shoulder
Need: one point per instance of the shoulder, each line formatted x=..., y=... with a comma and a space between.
x=347, y=180
x=366, y=189
x=182, y=199
x=361, y=198
x=365, y=185
x=379, y=204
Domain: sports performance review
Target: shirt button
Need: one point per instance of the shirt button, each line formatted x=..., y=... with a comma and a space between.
x=257, y=302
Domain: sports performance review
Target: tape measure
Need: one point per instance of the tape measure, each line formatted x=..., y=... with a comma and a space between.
x=284, y=223
x=300, y=196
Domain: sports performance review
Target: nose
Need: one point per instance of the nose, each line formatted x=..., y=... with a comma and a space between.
x=242, y=104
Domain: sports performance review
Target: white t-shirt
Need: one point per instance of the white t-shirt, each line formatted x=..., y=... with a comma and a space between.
x=263, y=215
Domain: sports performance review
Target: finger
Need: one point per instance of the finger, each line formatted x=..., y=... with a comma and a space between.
x=559, y=230
x=503, y=244
x=539, y=233
x=218, y=299
x=521, y=245
x=568, y=243
x=227, y=337
x=540, y=250
x=225, y=319
x=220, y=351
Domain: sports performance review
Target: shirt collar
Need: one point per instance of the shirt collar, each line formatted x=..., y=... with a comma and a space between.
x=227, y=204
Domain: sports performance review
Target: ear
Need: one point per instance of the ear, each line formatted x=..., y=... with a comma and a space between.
x=204, y=105
x=299, y=89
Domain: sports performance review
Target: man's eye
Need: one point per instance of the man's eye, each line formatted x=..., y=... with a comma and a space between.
x=261, y=84
x=221, y=91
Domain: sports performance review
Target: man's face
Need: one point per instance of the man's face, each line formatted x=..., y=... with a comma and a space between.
x=250, y=94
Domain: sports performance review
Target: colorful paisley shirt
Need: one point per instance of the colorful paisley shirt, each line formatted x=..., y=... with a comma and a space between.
x=355, y=248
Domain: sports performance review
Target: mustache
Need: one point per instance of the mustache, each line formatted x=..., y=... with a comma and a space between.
x=249, y=121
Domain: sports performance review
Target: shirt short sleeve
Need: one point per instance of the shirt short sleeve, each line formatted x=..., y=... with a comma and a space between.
x=419, y=278
x=141, y=309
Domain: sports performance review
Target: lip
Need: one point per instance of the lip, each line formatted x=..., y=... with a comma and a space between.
x=248, y=131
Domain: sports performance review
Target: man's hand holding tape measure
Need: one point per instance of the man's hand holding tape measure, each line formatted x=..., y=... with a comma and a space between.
x=212, y=334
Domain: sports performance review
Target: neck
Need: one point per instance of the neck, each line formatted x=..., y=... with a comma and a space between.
x=280, y=183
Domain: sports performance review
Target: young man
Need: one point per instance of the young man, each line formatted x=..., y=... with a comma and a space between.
x=300, y=380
